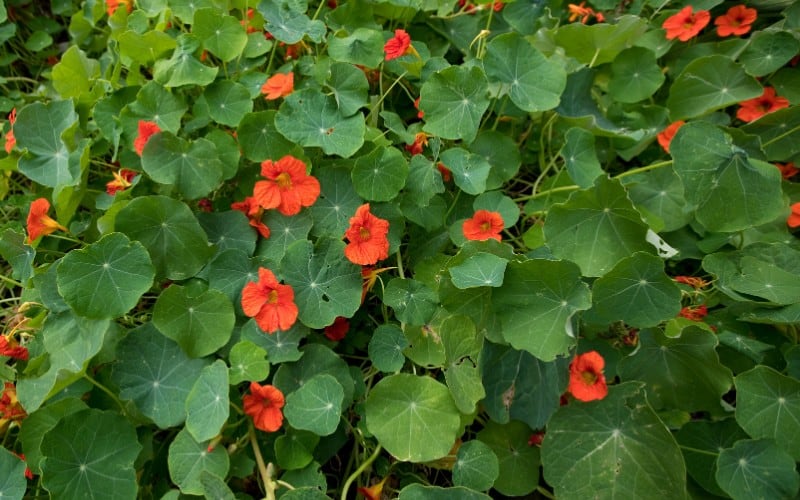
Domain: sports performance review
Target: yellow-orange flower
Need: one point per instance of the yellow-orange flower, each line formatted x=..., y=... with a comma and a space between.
x=39, y=223
x=278, y=85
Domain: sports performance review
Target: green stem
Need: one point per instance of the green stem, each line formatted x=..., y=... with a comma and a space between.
x=400, y=271
x=10, y=281
x=779, y=137
x=384, y=94
x=107, y=391
x=263, y=469
x=18, y=79
x=696, y=450
x=646, y=168
x=542, y=491
x=360, y=469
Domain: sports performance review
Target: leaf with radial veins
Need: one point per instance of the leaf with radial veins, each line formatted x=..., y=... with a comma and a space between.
x=207, y=405
x=537, y=303
x=518, y=461
x=413, y=417
x=380, y=175
x=768, y=406
x=610, y=445
x=707, y=84
x=260, y=140
x=228, y=102
x=99, y=464
x=728, y=190
x=39, y=129
x=222, y=35
x=107, y=278
x=757, y=468
x=454, y=100
x=13, y=483
x=153, y=372
x=532, y=81
x=188, y=459
x=193, y=167
x=316, y=406
x=326, y=285
x=596, y=228
x=701, y=442
x=311, y=119
x=635, y=75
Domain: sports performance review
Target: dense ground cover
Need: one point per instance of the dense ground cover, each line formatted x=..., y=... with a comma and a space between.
x=414, y=248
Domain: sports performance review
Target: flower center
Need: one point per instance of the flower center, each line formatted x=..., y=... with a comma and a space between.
x=589, y=378
x=363, y=233
x=485, y=226
x=272, y=297
x=283, y=180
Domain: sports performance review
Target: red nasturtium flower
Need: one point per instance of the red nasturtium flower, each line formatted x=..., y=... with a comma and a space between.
x=369, y=275
x=367, y=236
x=586, y=379
x=374, y=492
x=146, y=130
x=288, y=187
x=10, y=347
x=39, y=223
x=794, y=217
x=337, y=330
x=483, y=225
x=447, y=174
x=278, y=85
x=686, y=24
x=753, y=109
x=420, y=113
x=420, y=141
x=269, y=303
x=737, y=21
x=788, y=170
x=113, y=5
x=264, y=405
x=28, y=471
x=694, y=313
x=10, y=407
x=398, y=46
x=122, y=181
x=665, y=136
x=11, y=141
x=254, y=212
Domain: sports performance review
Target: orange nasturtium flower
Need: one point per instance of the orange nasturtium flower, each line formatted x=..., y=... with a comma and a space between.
x=694, y=313
x=584, y=13
x=753, y=109
x=11, y=141
x=10, y=347
x=367, y=236
x=399, y=45
x=122, y=181
x=337, y=330
x=794, y=217
x=39, y=223
x=692, y=281
x=264, y=405
x=146, y=130
x=374, y=492
x=10, y=407
x=288, y=187
x=737, y=21
x=483, y=225
x=254, y=212
x=269, y=303
x=788, y=170
x=686, y=24
x=113, y=5
x=278, y=85
x=665, y=136
x=586, y=379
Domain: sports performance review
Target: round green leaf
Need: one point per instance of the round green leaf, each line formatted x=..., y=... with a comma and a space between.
x=91, y=453
x=532, y=81
x=363, y=47
x=636, y=291
x=311, y=119
x=222, y=35
x=154, y=373
x=38, y=423
x=288, y=22
x=580, y=157
x=185, y=9
x=768, y=406
x=326, y=285
x=537, y=303
x=145, y=48
x=13, y=483
x=413, y=417
x=386, y=348
x=75, y=73
x=188, y=459
x=316, y=360
x=294, y=450
x=454, y=100
x=481, y=269
x=596, y=228
x=169, y=231
x=193, y=167
x=518, y=461
x=228, y=102
x=284, y=230
x=417, y=491
x=599, y=43
x=423, y=182
x=39, y=129
x=768, y=52
x=413, y=302
x=470, y=171
x=107, y=278
x=200, y=324
x=207, y=405
x=779, y=132
x=707, y=84
x=156, y=104
x=281, y=346
x=728, y=190
x=380, y=175
x=349, y=85
x=609, y=444
x=501, y=152
x=229, y=230
x=701, y=443
x=337, y=202
x=635, y=75
x=476, y=466
x=659, y=193
x=682, y=372
x=757, y=468
x=316, y=406
x=230, y=271
x=248, y=362
x=259, y=138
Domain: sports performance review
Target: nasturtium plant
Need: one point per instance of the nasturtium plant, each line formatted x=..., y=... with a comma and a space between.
x=399, y=249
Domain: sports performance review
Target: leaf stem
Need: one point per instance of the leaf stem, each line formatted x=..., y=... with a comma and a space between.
x=358, y=471
x=10, y=281
x=264, y=470
x=697, y=450
x=107, y=391
x=542, y=491
x=384, y=94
